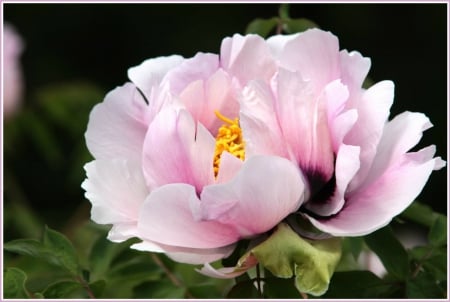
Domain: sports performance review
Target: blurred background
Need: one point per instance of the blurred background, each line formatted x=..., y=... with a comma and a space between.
x=75, y=53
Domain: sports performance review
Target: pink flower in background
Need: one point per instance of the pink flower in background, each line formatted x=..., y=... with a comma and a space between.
x=12, y=73
x=196, y=154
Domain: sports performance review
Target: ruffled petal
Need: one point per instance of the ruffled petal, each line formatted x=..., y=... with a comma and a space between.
x=354, y=69
x=177, y=150
x=315, y=54
x=375, y=206
x=117, y=126
x=373, y=111
x=123, y=231
x=116, y=189
x=303, y=119
x=347, y=164
x=167, y=218
x=198, y=68
x=399, y=136
x=258, y=120
x=277, y=43
x=203, y=98
x=247, y=58
x=150, y=73
x=264, y=192
x=186, y=255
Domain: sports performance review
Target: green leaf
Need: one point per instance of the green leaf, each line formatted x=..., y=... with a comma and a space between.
x=245, y=289
x=62, y=249
x=390, y=251
x=438, y=231
x=55, y=248
x=431, y=259
x=262, y=27
x=162, y=289
x=423, y=286
x=97, y=287
x=356, y=285
x=419, y=213
x=14, y=284
x=61, y=289
x=285, y=253
x=292, y=26
x=102, y=254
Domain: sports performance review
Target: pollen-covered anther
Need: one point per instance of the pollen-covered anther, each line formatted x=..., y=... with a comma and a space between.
x=229, y=138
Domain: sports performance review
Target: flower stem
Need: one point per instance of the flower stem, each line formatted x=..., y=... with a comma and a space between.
x=258, y=281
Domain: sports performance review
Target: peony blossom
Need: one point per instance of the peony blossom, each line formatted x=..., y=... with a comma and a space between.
x=12, y=74
x=196, y=154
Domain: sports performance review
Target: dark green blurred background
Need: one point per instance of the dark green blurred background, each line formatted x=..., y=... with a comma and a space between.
x=95, y=45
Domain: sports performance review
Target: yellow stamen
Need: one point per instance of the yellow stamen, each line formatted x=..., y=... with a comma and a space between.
x=229, y=138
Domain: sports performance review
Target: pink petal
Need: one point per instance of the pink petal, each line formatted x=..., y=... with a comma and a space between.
x=198, y=68
x=347, y=164
x=315, y=54
x=258, y=120
x=117, y=126
x=354, y=69
x=203, y=98
x=375, y=206
x=176, y=150
x=116, y=190
x=373, y=112
x=186, y=255
x=229, y=167
x=399, y=136
x=264, y=192
x=277, y=43
x=123, y=231
x=166, y=218
x=303, y=119
x=150, y=73
x=220, y=273
x=247, y=58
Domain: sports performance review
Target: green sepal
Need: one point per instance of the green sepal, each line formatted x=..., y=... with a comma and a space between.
x=313, y=262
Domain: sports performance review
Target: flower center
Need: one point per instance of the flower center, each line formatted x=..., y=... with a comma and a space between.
x=229, y=138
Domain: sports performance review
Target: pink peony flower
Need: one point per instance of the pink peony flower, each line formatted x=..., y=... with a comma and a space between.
x=12, y=73
x=196, y=154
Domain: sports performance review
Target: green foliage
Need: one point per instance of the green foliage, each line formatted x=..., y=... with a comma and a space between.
x=54, y=248
x=282, y=23
x=391, y=252
x=14, y=283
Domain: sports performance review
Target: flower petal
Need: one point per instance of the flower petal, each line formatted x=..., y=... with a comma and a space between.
x=303, y=119
x=247, y=58
x=354, y=69
x=166, y=217
x=399, y=135
x=117, y=126
x=200, y=67
x=315, y=54
x=203, y=98
x=176, y=150
x=116, y=190
x=347, y=164
x=150, y=73
x=259, y=123
x=186, y=255
x=373, y=111
x=264, y=192
x=375, y=206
